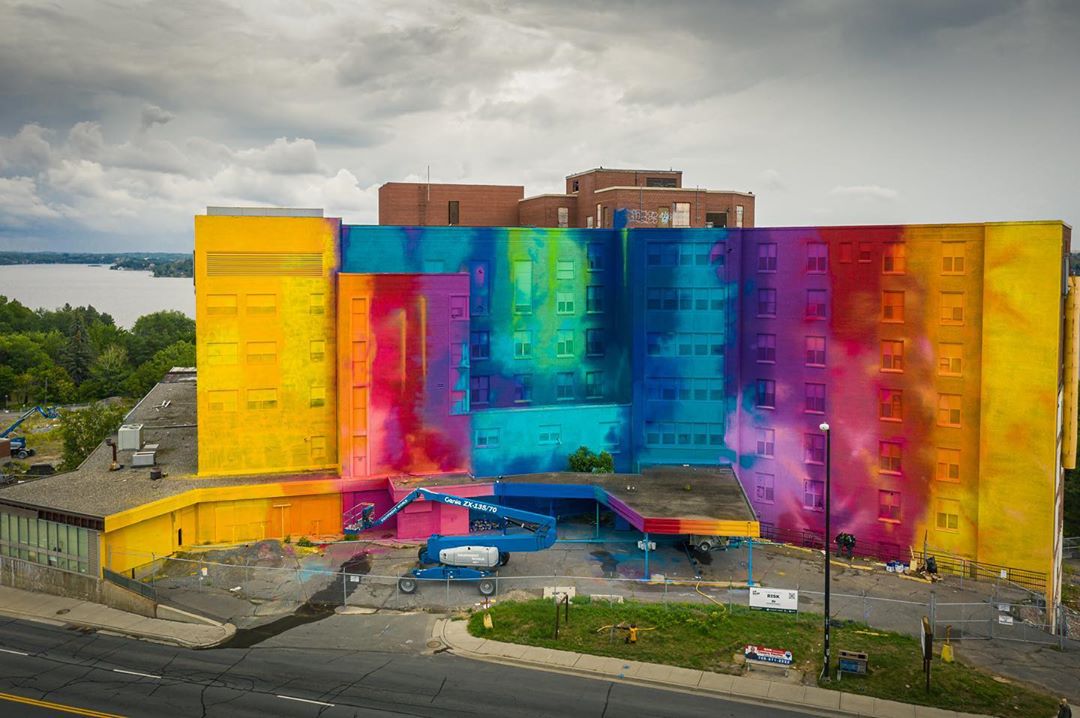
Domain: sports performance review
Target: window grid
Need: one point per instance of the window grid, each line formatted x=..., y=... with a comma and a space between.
x=814, y=448
x=890, y=455
x=892, y=355
x=766, y=394
x=815, y=398
x=889, y=505
x=766, y=443
x=890, y=405
x=766, y=348
x=894, y=258
x=892, y=306
x=815, y=351
x=817, y=258
x=766, y=258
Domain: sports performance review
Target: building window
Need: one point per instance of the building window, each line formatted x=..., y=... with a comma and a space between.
x=894, y=258
x=816, y=301
x=950, y=359
x=889, y=506
x=715, y=219
x=564, y=343
x=595, y=256
x=221, y=353
x=317, y=396
x=948, y=464
x=522, y=388
x=814, y=448
x=681, y=216
x=766, y=302
x=480, y=390
x=815, y=398
x=318, y=448
x=659, y=181
x=766, y=393
x=261, y=399
x=262, y=352
x=890, y=405
x=766, y=348
x=480, y=345
x=814, y=495
x=766, y=257
x=486, y=438
x=866, y=252
x=549, y=434
x=594, y=342
x=892, y=355
x=686, y=299
x=948, y=515
x=261, y=303
x=221, y=304
x=564, y=217
x=738, y=215
x=889, y=454
x=766, y=443
x=564, y=302
x=599, y=215
x=671, y=299
x=522, y=345
x=453, y=211
x=654, y=344
x=564, y=269
x=317, y=304
x=815, y=351
x=575, y=186
x=522, y=287
x=952, y=308
x=594, y=299
x=892, y=307
x=846, y=252
x=594, y=384
x=952, y=258
x=222, y=399
x=564, y=385
x=817, y=258
x=317, y=349
x=589, y=222
x=459, y=306
x=948, y=413
x=763, y=488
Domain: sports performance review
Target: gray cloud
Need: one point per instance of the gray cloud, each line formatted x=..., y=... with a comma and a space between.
x=117, y=122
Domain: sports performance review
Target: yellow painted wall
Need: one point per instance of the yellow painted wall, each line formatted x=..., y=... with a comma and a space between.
x=1020, y=463
x=265, y=344
x=221, y=515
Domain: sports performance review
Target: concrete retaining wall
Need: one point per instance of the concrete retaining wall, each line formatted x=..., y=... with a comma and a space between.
x=46, y=579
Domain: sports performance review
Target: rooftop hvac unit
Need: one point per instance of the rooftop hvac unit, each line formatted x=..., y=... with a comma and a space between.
x=129, y=437
x=143, y=458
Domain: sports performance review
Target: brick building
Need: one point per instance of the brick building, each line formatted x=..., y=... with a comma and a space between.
x=597, y=198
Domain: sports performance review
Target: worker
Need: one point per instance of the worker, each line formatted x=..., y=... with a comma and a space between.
x=1064, y=711
x=631, y=633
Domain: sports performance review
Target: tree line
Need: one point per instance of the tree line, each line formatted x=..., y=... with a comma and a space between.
x=77, y=354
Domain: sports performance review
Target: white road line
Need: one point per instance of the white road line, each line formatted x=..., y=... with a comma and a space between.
x=305, y=700
x=17, y=653
x=136, y=673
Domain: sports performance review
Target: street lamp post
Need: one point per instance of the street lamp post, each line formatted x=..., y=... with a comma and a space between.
x=828, y=494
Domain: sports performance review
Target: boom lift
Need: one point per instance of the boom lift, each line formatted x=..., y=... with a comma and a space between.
x=18, y=443
x=463, y=558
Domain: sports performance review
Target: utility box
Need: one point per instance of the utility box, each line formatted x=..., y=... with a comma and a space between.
x=853, y=662
x=143, y=458
x=129, y=437
x=5, y=448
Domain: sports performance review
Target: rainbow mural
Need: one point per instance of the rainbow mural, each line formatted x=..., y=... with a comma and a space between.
x=934, y=352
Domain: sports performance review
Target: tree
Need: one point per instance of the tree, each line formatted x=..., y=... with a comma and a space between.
x=154, y=332
x=83, y=429
x=150, y=372
x=78, y=355
x=110, y=370
x=585, y=461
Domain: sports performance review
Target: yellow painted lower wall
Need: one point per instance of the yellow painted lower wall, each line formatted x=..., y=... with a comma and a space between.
x=214, y=516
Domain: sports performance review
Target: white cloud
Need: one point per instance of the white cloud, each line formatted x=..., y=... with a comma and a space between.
x=865, y=191
x=154, y=115
x=19, y=202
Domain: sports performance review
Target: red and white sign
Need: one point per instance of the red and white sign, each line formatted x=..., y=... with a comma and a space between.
x=767, y=655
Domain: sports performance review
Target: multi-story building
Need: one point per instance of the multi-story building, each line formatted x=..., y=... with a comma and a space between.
x=596, y=198
x=937, y=354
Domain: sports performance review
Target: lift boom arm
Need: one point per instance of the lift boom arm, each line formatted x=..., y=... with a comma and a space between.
x=49, y=413
x=541, y=529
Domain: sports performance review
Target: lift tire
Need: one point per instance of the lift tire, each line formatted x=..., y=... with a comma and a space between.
x=704, y=546
x=504, y=558
x=22, y=454
x=407, y=584
x=487, y=587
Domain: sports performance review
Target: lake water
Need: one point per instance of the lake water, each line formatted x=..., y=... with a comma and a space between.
x=126, y=295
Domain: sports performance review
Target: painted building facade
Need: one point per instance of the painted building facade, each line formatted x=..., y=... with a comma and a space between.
x=936, y=353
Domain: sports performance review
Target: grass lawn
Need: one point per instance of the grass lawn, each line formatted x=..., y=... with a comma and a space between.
x=708, y=637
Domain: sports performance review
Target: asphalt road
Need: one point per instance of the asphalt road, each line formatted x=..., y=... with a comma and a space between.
x=342, y=666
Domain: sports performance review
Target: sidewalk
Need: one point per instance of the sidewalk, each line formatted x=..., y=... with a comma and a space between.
x=455, y=635
x=16, y=603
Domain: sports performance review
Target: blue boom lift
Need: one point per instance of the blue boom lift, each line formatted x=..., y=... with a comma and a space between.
x=463, y=558
x=18, y=443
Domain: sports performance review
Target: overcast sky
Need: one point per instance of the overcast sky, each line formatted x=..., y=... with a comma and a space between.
x=120, y=120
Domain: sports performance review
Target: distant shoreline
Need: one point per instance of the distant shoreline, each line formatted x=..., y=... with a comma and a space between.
x=159, y=264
